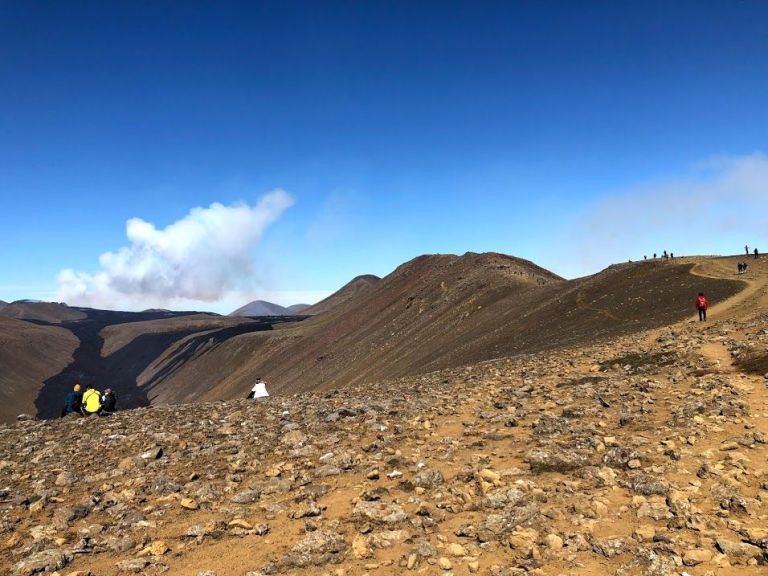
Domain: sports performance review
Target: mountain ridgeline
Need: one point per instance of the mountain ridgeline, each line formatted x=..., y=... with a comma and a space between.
x=431, y=313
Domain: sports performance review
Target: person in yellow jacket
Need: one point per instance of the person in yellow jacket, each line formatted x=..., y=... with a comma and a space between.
x=91, y=401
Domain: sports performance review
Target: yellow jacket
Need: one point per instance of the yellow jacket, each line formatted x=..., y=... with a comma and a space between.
x=92, y=401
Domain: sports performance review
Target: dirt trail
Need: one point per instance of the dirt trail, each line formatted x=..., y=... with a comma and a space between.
x=753, y=297
x=718, y=353
x=741, y=306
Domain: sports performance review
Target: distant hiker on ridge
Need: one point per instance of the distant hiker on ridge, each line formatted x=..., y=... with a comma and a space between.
x=91, y=401
x=701, y=306
x=654, y=254
x=739, y=268
x=755, y=253
x=72, y=401
x=746, y=249
x=744, y=267
x=665, y=254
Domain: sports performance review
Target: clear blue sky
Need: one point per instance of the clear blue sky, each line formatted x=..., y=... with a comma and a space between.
x=555, y=131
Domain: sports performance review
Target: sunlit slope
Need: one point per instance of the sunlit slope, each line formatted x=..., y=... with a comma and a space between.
x=442, y=311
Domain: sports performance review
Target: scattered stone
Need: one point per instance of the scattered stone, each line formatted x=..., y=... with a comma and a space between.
x=246, y=497
x=428, y=479
x=553, y=541
x=490, y=475
x=43, y=561
x=135, y=566
x=456, y=549
x=739, y=553
x=698, y=556
x=316, y=549
x=609, y=547
x=66, y=479
x=541, y=460
x=157, y=548
x=387, y=513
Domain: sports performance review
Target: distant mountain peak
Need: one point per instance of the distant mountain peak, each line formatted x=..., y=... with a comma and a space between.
x=261, y=308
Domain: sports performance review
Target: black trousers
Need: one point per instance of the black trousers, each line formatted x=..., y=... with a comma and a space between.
x=702, y=314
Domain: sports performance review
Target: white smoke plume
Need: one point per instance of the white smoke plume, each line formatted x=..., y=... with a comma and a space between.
x=200, y=258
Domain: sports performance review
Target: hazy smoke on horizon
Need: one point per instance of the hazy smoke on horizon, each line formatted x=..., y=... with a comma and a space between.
x=717, y=208
x=202, y=257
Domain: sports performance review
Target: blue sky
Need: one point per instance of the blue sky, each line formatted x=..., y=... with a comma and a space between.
x=574, y=134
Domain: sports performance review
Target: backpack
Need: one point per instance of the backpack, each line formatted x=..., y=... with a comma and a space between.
x=92, y=401
x=109, y=401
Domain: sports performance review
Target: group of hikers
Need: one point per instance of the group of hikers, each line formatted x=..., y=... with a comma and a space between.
x=664, y=256
x=701, y=299
x=741, y=268
x=88, y=402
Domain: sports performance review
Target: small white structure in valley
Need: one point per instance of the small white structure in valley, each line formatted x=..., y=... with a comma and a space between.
x=259, y=390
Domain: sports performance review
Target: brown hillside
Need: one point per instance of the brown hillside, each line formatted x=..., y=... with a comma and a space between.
x=29, y=354
x=334, y=346
x=41, y=360
x=116, y=336
x=431, y=313
x=115, y=347
x=442, y=311
x=52, y=312
x=350, y=291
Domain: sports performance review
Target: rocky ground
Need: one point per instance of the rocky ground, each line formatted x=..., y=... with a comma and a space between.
x=645, y=455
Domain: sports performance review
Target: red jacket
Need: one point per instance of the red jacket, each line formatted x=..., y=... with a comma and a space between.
x=701, y=302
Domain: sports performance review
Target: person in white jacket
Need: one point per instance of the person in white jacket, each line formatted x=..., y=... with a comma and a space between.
x=259, y=389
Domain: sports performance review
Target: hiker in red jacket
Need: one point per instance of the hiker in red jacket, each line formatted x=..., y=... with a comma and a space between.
x=701, y=306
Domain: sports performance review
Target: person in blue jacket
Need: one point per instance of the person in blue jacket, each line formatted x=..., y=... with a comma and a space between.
x=72, y=401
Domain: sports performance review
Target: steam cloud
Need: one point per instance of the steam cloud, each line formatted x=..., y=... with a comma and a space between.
x=201, y=257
